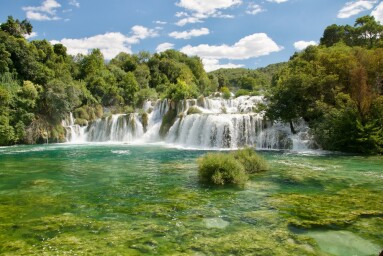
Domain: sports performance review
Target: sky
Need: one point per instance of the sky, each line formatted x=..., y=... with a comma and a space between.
x=223, y=33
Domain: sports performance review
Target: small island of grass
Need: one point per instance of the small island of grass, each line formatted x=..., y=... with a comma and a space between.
x=230, y=168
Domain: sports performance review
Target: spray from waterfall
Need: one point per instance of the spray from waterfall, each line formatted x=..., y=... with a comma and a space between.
x=204, y=123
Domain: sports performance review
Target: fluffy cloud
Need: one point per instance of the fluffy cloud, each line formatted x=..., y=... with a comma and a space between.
x=110, y=44
x=254, y=9
x=301, y=45
x=33, y=34
x=251, y=46
x=163, y=47
x=207, y=7
x=189, y=34
x=378, y=12
x=277, y=1
x=201, y=9
x=254, y=45
x=355, y=7
x=140, y=32
x=213, y=64
x=47, y=11
x=188, y=20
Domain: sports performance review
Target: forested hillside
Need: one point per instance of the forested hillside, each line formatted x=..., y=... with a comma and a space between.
x=337, y=87
x=247, y=81
x=40, y=84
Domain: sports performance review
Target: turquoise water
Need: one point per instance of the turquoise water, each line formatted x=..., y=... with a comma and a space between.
x=146, y=200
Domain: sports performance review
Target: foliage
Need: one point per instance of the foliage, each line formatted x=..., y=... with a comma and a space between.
x=250, y=160
x=221, y=169
x=16, y=28
x=40, y=83
x=193, y=110
x=181, y=91
x=226, y=94
x=230, y=168
x=366, y=32
x=242, y=92
x=336, y=87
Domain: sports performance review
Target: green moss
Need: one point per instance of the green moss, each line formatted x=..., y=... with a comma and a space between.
x=193, y=110
x=145, y=120
x=340, y=209
x=81, y=122
x=167, y=121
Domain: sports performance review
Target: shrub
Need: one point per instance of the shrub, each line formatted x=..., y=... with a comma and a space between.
x=226, y=94
x=250, y=160
x=128, y=110
x=81, y=121
x=221, y=169
x=242, y=92
x=194, y=110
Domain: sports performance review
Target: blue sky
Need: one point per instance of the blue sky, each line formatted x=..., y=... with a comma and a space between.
x=224, y=33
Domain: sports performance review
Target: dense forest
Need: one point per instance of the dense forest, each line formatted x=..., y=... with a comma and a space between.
x=336, y=87
x=40, y=84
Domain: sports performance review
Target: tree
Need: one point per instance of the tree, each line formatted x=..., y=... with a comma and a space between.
x=16, y=28
x=368, y=31
x=129, y=87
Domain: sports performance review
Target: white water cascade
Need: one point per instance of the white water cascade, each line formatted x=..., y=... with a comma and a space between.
x=204, y=123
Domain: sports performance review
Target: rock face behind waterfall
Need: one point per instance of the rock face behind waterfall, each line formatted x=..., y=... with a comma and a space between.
x=204, y=123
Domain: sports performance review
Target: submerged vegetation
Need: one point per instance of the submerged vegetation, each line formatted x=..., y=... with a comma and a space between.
x=230, y=168
x=145, y=200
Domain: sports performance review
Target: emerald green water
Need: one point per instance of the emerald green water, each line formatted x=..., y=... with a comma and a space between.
x=146, y=200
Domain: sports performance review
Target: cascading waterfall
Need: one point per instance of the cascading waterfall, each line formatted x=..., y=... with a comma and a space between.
x=214, y=123
x=74, y=132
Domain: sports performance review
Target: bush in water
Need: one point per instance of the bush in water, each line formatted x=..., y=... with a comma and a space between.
x=221, y=169
x=230, y=168
x=250, y=160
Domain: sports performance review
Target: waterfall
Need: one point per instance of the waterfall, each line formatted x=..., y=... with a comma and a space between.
x=74, y=132
x=214, y=123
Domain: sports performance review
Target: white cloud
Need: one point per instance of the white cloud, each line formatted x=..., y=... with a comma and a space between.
x=31, y=35
x=355, y=7
x=378, y=12
x=74, y=3
x=163, y=47
x=47, y=11
x=188, y=20
x=189, y=34
x=181, y=14
x=141, y=32
x=277, y=1
x=110, y=44
x=251, y=46
x=160, y=22
x=254, y=9
x=207, y=7
x=213, y=64
x=198, y=10
x=301, y=45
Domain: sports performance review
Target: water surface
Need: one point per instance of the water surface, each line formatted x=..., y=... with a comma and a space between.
x=146, y=200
